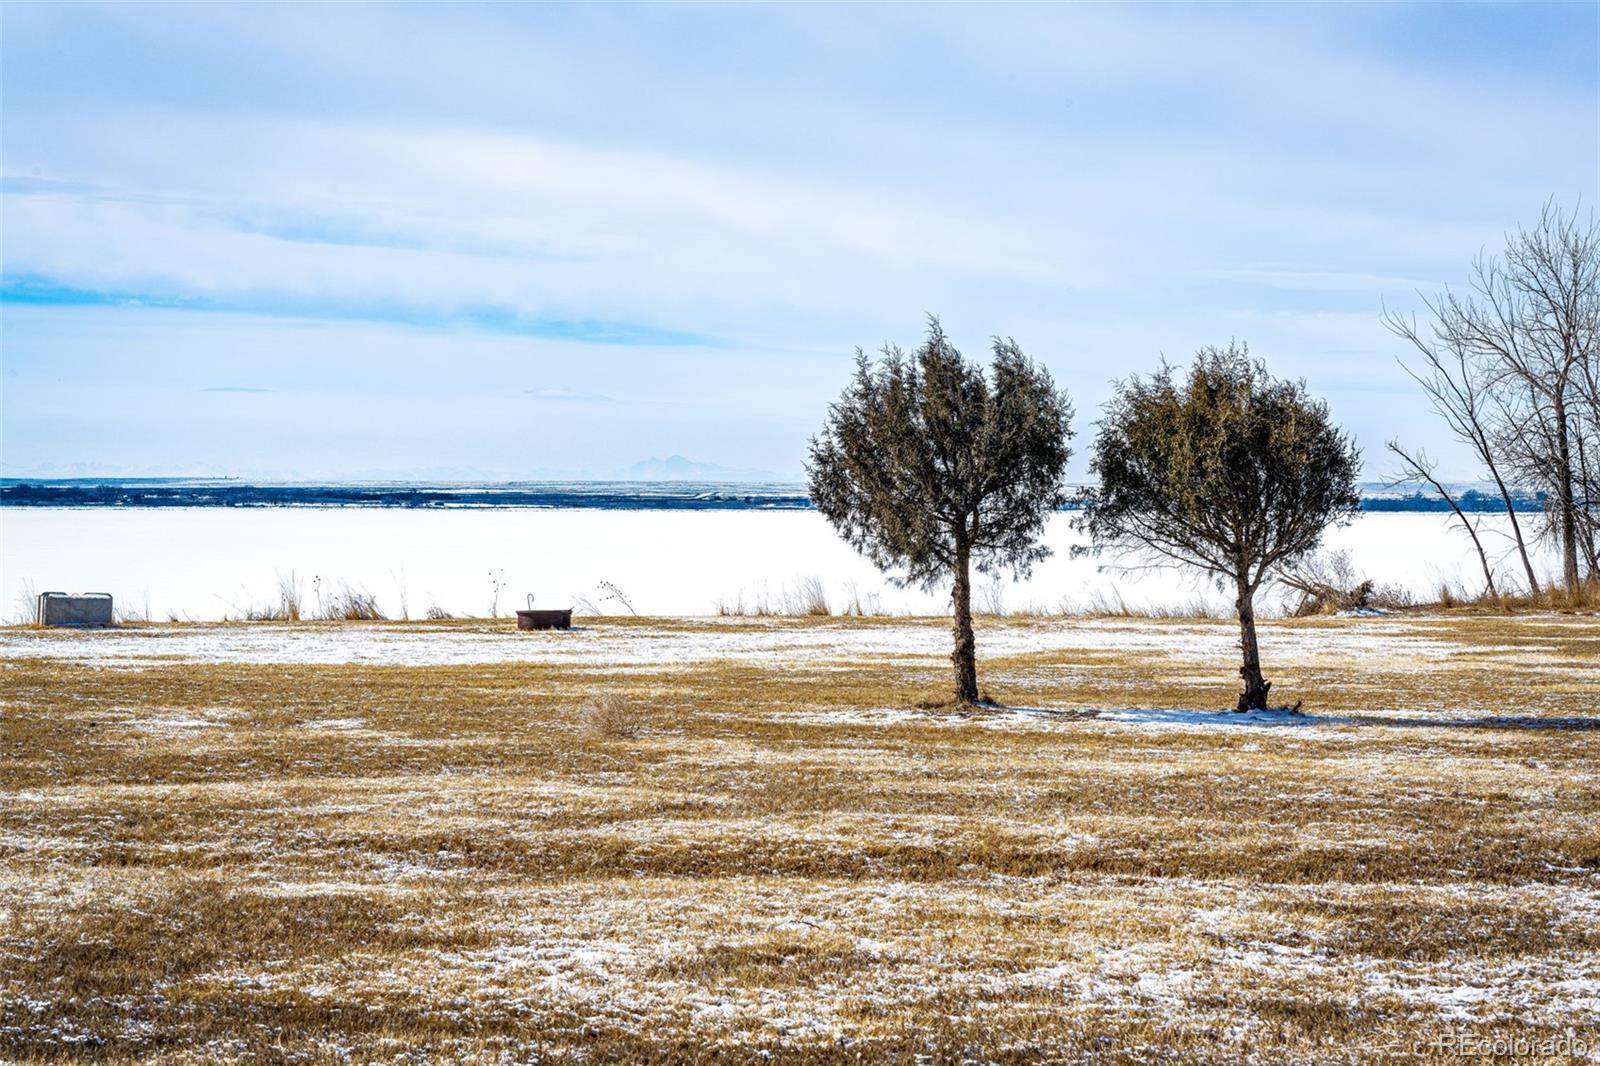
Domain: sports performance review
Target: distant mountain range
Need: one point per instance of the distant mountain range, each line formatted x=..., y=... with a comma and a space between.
x=677, y=468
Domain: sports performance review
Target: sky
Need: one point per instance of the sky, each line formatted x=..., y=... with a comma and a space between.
x=461, y=242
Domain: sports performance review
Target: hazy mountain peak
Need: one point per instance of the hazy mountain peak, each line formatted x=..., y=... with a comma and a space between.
x=678, y=468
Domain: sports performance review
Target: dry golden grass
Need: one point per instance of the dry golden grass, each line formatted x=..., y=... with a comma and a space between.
x=1583, y=597
x=692, y=858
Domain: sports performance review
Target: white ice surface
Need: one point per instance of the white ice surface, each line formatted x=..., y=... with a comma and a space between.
x=210, y=563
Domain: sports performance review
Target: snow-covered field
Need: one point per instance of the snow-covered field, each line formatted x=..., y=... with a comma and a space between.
x=763, y=641
x=210, y=563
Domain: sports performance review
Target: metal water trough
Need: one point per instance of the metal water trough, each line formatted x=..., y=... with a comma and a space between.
x=89, y=609
x=545, y=618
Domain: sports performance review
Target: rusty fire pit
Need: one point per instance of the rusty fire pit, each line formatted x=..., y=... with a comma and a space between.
x=545, y=618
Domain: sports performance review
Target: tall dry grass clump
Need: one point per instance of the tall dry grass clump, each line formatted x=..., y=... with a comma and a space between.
x=859, y=606
x=807, y=598
x=347, y=603
x=1583, y=597
x=286, y=608
x=991, y=598
x=1111, y=604
x=610, y=717
x=289, y=597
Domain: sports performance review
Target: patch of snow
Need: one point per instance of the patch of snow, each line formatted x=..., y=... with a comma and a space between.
x=336, y=723
x=700, y=640
x=1192, y=720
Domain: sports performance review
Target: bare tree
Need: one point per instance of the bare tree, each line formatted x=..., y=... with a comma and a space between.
x=1457, y=383
x=1530, y=319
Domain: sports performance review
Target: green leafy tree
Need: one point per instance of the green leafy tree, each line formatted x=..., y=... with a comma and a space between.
x=929, y=468
x=1229, y=470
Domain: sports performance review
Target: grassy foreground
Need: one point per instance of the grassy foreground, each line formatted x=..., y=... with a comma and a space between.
x=775, y=851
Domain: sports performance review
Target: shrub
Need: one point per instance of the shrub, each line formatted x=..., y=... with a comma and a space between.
x=609, y=716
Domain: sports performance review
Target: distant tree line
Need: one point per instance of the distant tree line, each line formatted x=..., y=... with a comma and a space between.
x=656, y=496
x=1468, y=501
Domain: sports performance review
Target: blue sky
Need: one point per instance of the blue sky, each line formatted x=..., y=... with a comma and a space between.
x=325, y=242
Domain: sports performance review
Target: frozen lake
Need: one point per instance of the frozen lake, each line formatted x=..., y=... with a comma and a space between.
x=212, y=562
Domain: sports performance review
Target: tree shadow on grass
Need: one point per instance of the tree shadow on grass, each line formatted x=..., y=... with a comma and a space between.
x=1286, y=719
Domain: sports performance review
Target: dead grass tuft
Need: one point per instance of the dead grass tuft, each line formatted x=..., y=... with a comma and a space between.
x=611, y=717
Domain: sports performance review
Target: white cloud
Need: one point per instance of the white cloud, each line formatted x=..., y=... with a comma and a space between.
x=789, y=181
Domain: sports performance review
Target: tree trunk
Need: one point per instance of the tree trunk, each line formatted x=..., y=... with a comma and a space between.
x=1588, y=492
x=1254, y=696
x=1569, y=518
x=1516, y=531
x=965, y=654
